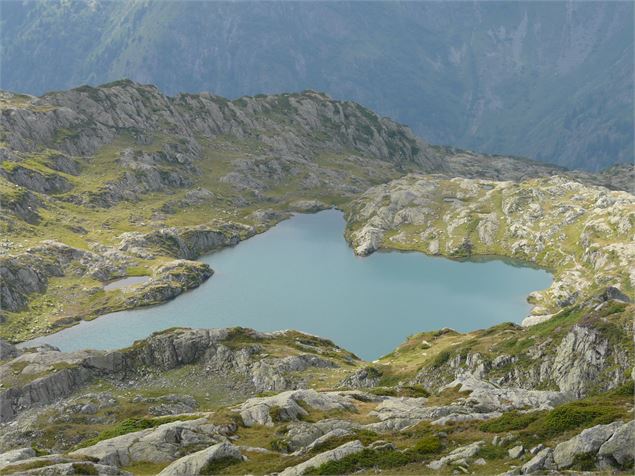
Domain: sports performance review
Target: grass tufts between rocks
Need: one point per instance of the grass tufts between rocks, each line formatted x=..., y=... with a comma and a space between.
x=510, y=421
x=218, y=465
x=84, y=469
x=130, y=425
x=577, y=415
x=381, y=458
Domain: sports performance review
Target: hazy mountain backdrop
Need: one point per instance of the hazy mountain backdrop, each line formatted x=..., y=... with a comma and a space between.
x=548, y=80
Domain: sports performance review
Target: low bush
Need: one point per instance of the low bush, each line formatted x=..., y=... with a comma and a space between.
x=510, y=421
x=381, y=459
x=441, y=358
x=84, y=469
x=625, y=390
x=216, y=466
x=427, y=445
x=574, y=415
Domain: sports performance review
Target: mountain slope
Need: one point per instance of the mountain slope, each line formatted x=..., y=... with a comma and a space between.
x=551, y=81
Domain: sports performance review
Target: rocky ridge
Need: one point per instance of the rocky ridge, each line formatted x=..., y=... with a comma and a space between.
x=299, y=426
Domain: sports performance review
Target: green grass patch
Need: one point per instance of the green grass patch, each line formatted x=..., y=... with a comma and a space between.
x=510, y=421
x=491, y=452
x=401, y=391
x=217, y=466
x=84, y=469
x=441, y=358
x=574, y=415
x=381, y=459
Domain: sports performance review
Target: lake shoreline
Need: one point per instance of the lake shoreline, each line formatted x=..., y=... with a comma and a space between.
x=321, y=233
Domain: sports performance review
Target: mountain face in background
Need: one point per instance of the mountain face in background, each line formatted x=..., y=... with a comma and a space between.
x=551, y=80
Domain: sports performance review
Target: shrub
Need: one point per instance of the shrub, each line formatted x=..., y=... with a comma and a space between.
x=84, y=469
x=364, y=459
x=427, y=445
x=584, y=462
x=276, y=414
x=510, y=421
x=401, y=391
x=441, y=358
x=280, y=444
x=381, y=459
x=625, y=390
x=216, y=466
x=574, y=415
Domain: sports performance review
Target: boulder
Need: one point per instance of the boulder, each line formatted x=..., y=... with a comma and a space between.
x=157, y=445
x=195, y=462
x=619, y=449
x=302, y=434
x=76, y=468
x=16, y=455
x=336, y=454
x=7, y=350
x=587, y=442
x=516, y=452
x=337, y=433
x=542, y=460
x=286, y=406
x=461, y=453
x=488, y=397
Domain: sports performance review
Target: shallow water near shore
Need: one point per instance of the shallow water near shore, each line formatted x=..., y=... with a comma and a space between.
x=302, y=275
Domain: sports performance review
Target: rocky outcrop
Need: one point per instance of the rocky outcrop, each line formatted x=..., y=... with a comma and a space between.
x=170, y=280
x=588, y=442
x=42, y=391
x=74, y=468
x=157, y=445
x=367, y=377
x=95, y=115
x=459, y=456
x=336, y=454
x=20, y=204
x=16, y=455
x=34, y=180
x=7, y=350
x=485, y=401
x=487, y=396
x=28, y=272
x=290, y=406
x=194, y=463
x=586, y=358
x=185, y=243
x=302, y=436
x=52, y=375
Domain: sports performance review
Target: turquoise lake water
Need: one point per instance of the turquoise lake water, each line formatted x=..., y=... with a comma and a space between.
x=302, y=275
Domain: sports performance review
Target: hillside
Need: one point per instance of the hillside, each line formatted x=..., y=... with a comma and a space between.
x=122, y=180
x=547, y=80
